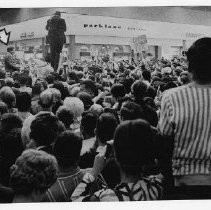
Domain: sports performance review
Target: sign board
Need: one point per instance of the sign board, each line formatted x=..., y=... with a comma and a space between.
x=140, y=40
x=85, y=25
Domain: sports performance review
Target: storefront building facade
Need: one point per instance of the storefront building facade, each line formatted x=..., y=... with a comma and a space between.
x=95, y=36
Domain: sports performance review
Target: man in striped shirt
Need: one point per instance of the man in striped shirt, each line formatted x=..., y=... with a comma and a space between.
x=67, y=150
x=186, y=116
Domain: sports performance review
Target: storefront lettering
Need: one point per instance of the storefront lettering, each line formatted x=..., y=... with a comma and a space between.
x=27, y=35
x=101, y=26
x=193, y=35
x=107, y=26
x=135, y=29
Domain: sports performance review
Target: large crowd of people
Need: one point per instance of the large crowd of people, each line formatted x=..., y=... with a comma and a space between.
x=100, y=130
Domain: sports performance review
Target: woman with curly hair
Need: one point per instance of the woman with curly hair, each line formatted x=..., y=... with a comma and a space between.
x=31, y=175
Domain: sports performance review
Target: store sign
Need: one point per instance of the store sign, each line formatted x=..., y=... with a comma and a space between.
x=140, y=40
x=26, y=35
x=104, y=26
x=101, y=26
x=121, y=27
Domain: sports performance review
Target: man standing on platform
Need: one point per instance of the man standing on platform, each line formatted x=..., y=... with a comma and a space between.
x=56, y=27
x=12, y=63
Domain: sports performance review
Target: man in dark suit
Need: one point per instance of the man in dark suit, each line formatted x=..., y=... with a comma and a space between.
x=56, y=27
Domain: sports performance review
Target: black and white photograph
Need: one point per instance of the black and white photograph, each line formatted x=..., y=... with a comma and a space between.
x=105, y=104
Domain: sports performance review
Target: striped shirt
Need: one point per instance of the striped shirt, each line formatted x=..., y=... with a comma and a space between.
x=186, y=115
x=66, y=183
x=147, y=188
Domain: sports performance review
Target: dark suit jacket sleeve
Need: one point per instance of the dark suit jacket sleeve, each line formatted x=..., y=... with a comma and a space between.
x=48, y=25
x=63, y=25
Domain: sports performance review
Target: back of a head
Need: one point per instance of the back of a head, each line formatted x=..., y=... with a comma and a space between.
x=88, y=123
x=46, y=99
x=44, y=129
x=118, y=90
x=7, y=96
x=56, y=94
x=151, y=92
x=127, y=82
x=67, y=149
x=10, y=121
x=169, y=85
x=23, y=102
x=75, y=105
x=97, y=109
x=199, y=60
x=133, y=143
x=139, y=89
x=89, y=86
x=50, y=79
x=105, y=127
x=86, y=98
x=33, y=171
x=9, y=82
x=146, y=75
x=65, y=115
x=37, y=89
x=23, y=79
x=185, y=79
x=59, y=86
x=131, y=111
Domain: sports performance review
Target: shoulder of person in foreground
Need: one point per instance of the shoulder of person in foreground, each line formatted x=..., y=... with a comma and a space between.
x=149, y=188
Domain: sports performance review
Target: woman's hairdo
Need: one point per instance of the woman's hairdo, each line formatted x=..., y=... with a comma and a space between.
x=33, y=170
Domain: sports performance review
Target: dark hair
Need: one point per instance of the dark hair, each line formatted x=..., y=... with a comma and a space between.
x=44, y=129
x=86, y=98
x=139, y=89
x=90, y=86
x=23, y=79
x=65, y=115
x=169, y=85
x=59, y=86
x=131, y=111
x=151, y=92
x=133, y=145
x=150, y=102
x=50, y=79
x=185, y=79
x=73, y=76
x=88, y=122
x=23, y=102
x=128, y=83
x=67, y=148
x=105, y=127
x=199, y=60
x=146, y=75
x=118, y=90
x=37, y=89
x=10, y=121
